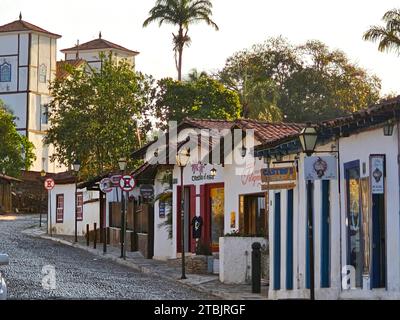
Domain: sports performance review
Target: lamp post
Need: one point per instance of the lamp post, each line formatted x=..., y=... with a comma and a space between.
x=42, y=175
x=308, y=139
x=182, y=159
x=77, y=166
x=122, y=166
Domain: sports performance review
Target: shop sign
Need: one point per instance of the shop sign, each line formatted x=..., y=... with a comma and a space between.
x=278, y=174
x=278, y=186
x=199, y=173
x=377, y=174
x=320, y=168
x=147, y=191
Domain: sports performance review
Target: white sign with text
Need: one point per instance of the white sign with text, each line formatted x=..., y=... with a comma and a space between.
x=320, y=168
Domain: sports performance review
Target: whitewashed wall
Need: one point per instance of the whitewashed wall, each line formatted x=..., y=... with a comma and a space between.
x=163, y=245
x=360, y=147
x=90, y=210
x=299, y=237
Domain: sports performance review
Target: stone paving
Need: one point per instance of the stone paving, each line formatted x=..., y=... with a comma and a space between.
x=79, y=274
x=208, y=284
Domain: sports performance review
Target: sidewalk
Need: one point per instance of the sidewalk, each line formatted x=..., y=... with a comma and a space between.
x=203, y=283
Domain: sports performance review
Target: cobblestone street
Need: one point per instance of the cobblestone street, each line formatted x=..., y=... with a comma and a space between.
x=79, y=274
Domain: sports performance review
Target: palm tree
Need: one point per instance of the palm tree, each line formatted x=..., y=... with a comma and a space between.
x=181, y=13
x=389, y=35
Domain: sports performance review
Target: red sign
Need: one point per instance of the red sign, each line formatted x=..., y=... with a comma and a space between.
x=127, y=183
x=49, y=184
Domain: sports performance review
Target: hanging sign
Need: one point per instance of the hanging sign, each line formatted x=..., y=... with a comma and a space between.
x=278, y=186
x=377, y=165
x=115, y=180
x=278, y=174
x=147, y=191
x=49, y=184
x=320, y=168
x=127, y=183
x=106, y=185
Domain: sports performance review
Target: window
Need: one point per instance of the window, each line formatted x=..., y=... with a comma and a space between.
x=252, y=217
x=42, y=73
x=44, y=114
x=60, y=208
x=5, y=72
x=354, y=219
x=79, y=206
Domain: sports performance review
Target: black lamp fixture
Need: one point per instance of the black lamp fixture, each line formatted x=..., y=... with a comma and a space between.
x=213, y=172
x=244, y=151
x=388, y=128
x=122, y=163
x=76, y=166
x=42, y=175
x=278, y=157
x=182, y=160
x=308, y=139
x=267, y=159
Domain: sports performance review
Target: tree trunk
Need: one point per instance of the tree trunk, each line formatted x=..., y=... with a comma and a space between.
x=180, y=52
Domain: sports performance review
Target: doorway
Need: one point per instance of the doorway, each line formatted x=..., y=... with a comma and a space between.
x=378, y=241
x=189, y=213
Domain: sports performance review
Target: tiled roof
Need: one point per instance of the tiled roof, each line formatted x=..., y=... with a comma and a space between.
x=21, y=25
x=99, y=43
x=9, y=179
x=384, y=107
x=61, y=72
x=267, y=131
x=208, y=123
x=263, y=131
x=67, y=177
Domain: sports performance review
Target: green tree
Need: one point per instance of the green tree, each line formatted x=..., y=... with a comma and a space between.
x=98, y=116
x=16, y=152
x=201, y=98
x=388, y=36
x=181, y=13
x=309, y=82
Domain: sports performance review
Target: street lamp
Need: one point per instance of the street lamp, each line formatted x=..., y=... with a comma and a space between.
x=308, y=139
x=76, y=166
x=213, y=172
x=182, y=159
x=388, y=128
x=42, y=175
x=122, y=166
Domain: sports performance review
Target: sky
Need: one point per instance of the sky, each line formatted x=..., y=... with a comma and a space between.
x=340, y=24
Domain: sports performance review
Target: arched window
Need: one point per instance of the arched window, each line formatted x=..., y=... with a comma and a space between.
x=42, y=73
x=5, y=72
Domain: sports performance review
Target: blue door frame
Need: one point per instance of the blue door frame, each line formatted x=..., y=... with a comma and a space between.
x=289, y=241
x=307, y=242
x=277, y=242
x=325, y=236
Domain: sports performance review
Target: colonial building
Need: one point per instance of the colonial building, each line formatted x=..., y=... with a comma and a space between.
x=27, y=65
x=354, y=200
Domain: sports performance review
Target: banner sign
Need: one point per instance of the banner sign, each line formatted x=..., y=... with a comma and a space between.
x=320, y=168
x=278, y=186
x=278, y=174
x=147, y=191
x=377, y=165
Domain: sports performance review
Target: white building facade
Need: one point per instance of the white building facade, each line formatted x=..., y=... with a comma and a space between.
x=355, y=215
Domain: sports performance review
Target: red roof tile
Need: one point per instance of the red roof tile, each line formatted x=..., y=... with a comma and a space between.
x=61, y=72
x=267, y=131
x=99, y=43
x=21, y=25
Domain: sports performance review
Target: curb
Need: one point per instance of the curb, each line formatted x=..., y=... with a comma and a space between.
x=142, y=269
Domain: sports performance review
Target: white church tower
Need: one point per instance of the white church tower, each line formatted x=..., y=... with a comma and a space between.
x=90, y=52
x=27, y=65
